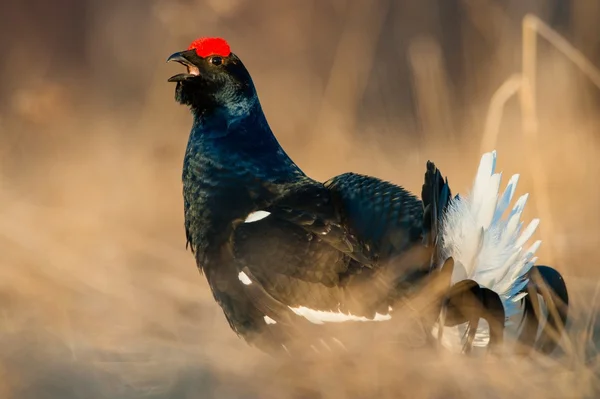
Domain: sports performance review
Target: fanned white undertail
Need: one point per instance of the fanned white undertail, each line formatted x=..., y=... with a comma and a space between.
x=487, y=246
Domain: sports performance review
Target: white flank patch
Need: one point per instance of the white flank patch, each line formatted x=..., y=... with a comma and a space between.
x=321, y=316
x=487, y=246
x=269, y=320
x=243, y=277
x=256, y=216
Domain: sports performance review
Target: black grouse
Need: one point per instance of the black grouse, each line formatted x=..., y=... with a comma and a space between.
x=281, y=250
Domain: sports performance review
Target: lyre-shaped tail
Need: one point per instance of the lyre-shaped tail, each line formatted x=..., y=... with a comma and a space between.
x=491, y=249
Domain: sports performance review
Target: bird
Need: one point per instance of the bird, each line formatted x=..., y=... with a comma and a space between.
x=284, y=254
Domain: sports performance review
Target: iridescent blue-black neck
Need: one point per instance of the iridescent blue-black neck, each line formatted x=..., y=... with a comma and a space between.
x=233, y=165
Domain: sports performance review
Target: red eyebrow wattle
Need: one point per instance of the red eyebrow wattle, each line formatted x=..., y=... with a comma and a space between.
x=207, y=46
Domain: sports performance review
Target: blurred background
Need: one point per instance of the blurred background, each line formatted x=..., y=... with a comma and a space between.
x=99, y=297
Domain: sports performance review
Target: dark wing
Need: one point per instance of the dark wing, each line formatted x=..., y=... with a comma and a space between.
x=318, y=245
x=294, y=266
x=367, y=218
x=325, y=247
x=312, y=207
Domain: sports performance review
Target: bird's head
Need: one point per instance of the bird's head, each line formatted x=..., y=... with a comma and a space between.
x=216, y=79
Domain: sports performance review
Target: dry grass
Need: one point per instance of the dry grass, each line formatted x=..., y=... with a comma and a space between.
x=100, y=298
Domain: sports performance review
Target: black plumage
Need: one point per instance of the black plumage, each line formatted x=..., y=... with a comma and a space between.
x=354, y=244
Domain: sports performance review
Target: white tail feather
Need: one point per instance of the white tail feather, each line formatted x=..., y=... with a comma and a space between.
x=486, y=247
x=506, y=198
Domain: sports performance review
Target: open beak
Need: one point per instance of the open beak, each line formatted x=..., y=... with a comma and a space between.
x=182, y=58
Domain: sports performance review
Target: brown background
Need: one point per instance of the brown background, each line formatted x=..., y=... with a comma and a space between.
x=99, y=297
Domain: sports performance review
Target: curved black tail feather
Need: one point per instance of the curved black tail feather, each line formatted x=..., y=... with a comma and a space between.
x=550, y=285
x=436, y=196
x=467, y=302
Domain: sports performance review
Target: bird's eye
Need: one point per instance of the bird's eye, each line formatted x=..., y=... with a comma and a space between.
x=216, y=60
